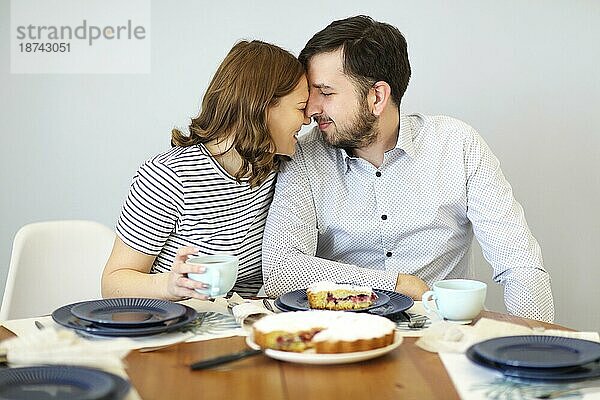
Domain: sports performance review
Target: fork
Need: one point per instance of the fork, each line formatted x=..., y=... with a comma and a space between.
x=560, y=392
x=417, y=322
x=268, y=305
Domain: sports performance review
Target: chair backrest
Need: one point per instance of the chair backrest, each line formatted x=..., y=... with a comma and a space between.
x=55, y=263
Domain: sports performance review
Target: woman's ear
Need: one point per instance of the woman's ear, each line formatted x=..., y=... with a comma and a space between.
x=381, y=94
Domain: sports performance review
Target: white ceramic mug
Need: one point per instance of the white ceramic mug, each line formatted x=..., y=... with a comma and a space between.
x=221, y=273
x=456, y=299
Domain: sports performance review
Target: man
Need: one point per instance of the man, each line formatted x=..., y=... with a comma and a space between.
x=377, y=198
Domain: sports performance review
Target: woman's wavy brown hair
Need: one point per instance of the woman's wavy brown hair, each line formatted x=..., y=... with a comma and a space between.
x=251, y=78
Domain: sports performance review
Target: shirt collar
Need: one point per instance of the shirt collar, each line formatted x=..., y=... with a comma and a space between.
x=405, y=136
x=404, y=141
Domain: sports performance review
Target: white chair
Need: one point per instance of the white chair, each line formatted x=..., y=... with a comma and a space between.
x=55, y=263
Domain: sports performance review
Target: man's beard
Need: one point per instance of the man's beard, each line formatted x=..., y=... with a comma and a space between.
x=360, y=132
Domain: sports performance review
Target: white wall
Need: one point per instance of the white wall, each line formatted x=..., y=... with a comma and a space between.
x=524, y=73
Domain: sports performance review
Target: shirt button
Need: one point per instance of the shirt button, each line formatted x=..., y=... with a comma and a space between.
x=378, y=174
x=388, y=254
x=384, y=217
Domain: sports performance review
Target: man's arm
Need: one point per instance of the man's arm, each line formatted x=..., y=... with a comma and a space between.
x=507, y=243
x=291, y=238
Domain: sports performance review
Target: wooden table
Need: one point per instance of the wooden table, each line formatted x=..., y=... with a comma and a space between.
x=408, y=372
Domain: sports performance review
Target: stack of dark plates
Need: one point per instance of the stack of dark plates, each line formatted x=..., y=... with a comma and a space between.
x=61, y=382
x=124, y=316
x=546, y=358
x=388, y=304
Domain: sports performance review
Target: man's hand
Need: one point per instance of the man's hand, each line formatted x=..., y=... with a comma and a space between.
x=411, y=285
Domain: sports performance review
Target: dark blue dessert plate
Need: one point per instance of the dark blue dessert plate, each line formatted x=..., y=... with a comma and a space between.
x=538, y=351
x=128, y=312
x=394, y=304
x=582, y=372
x=61, y=382
x=297, y=301
x=64, y=317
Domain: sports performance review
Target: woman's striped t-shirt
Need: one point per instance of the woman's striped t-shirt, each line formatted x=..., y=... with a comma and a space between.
x=183, y=197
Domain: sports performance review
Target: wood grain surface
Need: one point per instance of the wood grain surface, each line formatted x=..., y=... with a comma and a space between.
x=408, y=372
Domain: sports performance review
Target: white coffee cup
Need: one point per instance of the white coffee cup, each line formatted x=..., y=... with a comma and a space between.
x=221, y=273
x=456, y=299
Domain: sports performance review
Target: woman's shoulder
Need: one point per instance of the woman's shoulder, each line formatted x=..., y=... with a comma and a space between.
x=175, y=164
x=179, y=158
x=178, y=154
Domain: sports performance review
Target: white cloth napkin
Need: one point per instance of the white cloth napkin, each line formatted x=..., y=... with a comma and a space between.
x=247, y=312
x=444, y=336
x=61, y=346
x=473, y=382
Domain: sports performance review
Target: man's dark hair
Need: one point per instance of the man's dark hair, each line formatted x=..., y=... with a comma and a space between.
x=373, y=51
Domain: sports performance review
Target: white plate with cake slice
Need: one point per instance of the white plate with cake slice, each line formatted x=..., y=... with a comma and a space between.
x=309, y=357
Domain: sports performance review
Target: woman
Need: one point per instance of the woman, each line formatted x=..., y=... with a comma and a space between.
x=211, y=191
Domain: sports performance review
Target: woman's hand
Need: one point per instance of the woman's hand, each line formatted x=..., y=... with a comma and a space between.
x=179, y=286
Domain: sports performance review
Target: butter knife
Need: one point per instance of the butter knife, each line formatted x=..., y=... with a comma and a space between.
x=213, y=362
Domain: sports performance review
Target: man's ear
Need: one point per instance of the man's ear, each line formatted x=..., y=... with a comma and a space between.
x=380, y=95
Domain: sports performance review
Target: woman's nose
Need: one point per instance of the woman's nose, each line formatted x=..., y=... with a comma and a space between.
x=306, y=120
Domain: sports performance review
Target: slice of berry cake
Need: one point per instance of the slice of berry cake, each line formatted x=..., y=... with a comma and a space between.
x=332, y=296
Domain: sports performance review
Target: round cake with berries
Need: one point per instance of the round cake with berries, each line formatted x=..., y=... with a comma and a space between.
x=323, y=332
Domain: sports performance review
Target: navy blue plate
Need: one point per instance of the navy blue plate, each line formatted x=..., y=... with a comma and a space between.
x=60, y=382
x=538, y=351
x=64, y=317
x=297, y=300
x=128, y=312
x=121, y=388
x=583, y=372
x=392, y=309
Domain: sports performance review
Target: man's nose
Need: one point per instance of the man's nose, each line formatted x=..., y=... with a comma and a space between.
x=312, y=107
